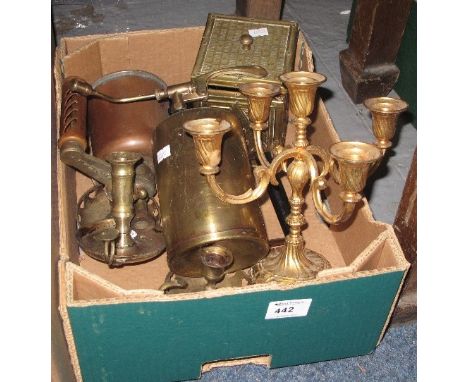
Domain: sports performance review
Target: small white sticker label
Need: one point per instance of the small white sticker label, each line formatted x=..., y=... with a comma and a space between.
x=258, y=32
x=163, y=153
x=288, y=308
x=133, y=234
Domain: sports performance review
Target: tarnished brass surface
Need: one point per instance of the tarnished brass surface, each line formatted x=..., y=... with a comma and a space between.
x=227, y=41
x=95, y=221
x=123, y=172
x=288, y=267
x=177, y=284
x=192, y=217
x=246, y=41
x=350, y=163
x=196, y=90
x=125, y=127
x=221, y=47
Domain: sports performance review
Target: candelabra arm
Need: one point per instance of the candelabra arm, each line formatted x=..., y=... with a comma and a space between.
x=259, y=148
x=262, y=175
x=347, y=208
x=324, y=157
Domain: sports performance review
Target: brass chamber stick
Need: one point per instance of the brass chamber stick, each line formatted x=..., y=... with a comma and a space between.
x=349, y=163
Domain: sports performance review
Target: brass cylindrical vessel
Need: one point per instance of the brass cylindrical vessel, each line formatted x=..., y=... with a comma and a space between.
x=127, y=127
x=192, y=217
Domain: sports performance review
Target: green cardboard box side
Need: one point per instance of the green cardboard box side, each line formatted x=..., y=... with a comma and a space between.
x=167, y=341
x=115, y=334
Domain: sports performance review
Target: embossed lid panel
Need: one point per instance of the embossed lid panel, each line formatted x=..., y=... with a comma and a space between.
x=225, y=43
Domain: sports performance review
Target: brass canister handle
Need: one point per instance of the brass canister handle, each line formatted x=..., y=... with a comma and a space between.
x=197, y=89
x=201, y=82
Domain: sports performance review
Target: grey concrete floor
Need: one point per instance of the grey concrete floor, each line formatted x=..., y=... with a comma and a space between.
x=324, y=24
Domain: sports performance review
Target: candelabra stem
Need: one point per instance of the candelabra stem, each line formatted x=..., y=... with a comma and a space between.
x=292, y=262
x=301, y=132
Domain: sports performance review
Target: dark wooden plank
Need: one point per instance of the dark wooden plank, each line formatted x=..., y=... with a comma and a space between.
x=405, y=227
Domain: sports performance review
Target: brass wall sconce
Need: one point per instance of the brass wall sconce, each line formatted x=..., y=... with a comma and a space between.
x=349, y=163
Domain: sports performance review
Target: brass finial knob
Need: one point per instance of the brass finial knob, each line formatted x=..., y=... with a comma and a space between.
x=246, y=40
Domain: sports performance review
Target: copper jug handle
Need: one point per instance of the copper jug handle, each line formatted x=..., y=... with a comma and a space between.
x=73, y=116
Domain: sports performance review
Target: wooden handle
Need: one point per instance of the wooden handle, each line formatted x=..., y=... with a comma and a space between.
x=73, y=118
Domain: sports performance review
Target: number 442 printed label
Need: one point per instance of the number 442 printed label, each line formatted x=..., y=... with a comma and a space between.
x=288, y=308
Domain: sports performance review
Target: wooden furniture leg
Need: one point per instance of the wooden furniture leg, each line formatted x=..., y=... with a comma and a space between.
x=368, y=65
x=261, y=9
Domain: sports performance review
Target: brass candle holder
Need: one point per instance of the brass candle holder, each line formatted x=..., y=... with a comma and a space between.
x=350, y=164
x=385, y=112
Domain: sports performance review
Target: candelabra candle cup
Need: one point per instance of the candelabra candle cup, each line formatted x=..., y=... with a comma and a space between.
x=208, y=137
x=259, y=95
x=302, y=87
x=354, y=160
x=385, y=112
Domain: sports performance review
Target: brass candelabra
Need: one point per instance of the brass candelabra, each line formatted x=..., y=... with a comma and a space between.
x=349, y=163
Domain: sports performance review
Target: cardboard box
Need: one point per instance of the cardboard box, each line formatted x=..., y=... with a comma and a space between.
x=118, y=327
